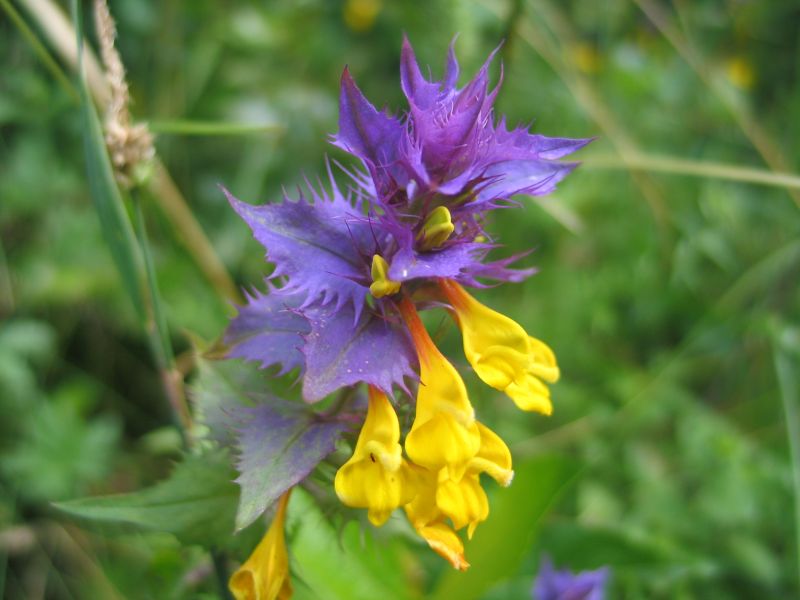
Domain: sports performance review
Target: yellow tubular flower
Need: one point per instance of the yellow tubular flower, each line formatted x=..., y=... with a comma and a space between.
x=428, y=520
x=265, y=575
x=377, y=476
x=503, y=355
x=444, y=432
x=463, y=501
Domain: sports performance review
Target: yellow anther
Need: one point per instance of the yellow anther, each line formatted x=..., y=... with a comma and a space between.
x=436, y=229
x=381, y=284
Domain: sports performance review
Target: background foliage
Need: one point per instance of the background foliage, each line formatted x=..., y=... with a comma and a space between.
x=671, y=300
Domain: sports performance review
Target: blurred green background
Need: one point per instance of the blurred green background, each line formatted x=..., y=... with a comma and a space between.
x=668, y=287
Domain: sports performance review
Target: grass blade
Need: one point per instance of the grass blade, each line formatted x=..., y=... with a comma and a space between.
x=786, y=349
x=105, y=194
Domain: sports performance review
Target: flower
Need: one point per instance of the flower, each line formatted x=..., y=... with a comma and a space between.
x=566, y=585
x=376, y=477
x=502, y=353
x=265, y=575
x=351, y=269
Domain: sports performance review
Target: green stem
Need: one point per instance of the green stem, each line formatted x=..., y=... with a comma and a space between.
x=220, y=562
x=679, y=166
x=212, y=128
x=788, y=385
x=7, y=296
x=155, y=326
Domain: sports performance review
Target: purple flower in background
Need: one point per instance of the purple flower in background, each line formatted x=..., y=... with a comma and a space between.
x=566, y=585
x=413, y=215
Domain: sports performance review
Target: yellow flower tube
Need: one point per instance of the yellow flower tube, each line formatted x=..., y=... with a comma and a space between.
x=502, y=353
x=265, y=575
x=444, y=432
x=376, y=477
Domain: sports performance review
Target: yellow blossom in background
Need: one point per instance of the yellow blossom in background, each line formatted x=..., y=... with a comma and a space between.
x=740, y=72
x=265, y=575
x=360, y=15
x=502, y=353
x=586, y=58
x=376, y=477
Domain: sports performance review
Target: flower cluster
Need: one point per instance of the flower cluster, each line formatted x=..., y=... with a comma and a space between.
x=353, y=268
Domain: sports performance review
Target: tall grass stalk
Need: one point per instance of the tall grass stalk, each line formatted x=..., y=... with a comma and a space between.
x=61, y=35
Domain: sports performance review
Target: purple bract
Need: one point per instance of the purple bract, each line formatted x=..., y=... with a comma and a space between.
x=446, y=154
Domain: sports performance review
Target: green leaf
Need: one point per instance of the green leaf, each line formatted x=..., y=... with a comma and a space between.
x=499, y=544
x=333, y=567
x=197, y=503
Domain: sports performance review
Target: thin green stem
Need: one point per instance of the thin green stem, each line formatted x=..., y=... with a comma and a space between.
x=212, y=128
x=157, y=331
x=786, y=370
x=40, y=50
x=679, y=166
x=6, y=293
x=220, y=562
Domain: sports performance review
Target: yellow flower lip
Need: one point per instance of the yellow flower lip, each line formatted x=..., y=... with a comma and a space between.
x=381, y=284
x=503, y=355
x=445, y=543
x=265, y=574
x=377, y=476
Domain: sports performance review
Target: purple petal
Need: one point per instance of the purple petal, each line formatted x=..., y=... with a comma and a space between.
x=419, y=91
x=372, y=136
x=451, y=68
x=463, y=262
x=321, y=248
x=268, y=330
x=340, y=351
x=280, y=444
x=521, y=144
x=448, y=263
x=533, y=177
